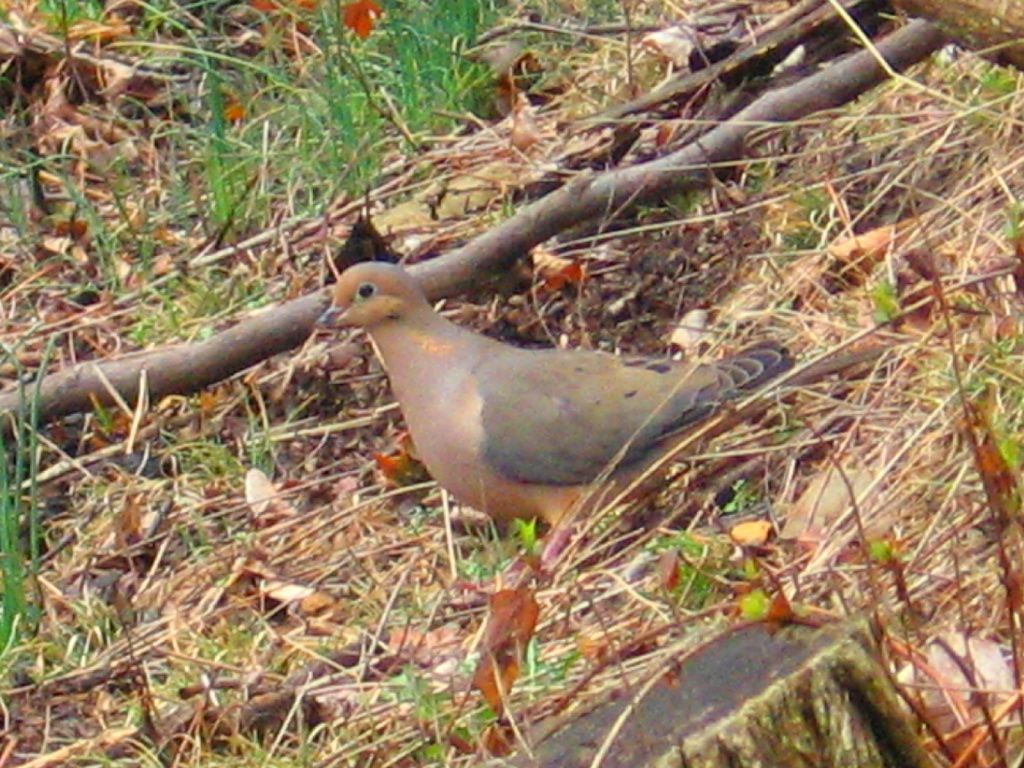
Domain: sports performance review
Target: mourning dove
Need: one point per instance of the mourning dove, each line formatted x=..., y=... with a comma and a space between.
x=520, y=433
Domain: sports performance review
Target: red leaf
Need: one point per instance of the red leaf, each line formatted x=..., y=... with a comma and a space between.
x=360, y=17
x=402, y=467
x=234, y=112
x=510, y=624
x=668, y=569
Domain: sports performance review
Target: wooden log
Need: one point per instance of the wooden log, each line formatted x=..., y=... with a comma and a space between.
x=754, y=697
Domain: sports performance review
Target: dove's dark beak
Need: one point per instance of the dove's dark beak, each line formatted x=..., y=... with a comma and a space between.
x=332, y=317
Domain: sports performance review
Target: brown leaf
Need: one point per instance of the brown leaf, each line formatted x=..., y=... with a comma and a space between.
x=129, y=521
x=498, y=739
x=97, y=31
x=960, y=677
x=752, y=533
x=264, y=499
x=556, y=271
x=1001, y=483
x=73, y=227
x=666, y=132
x=780, y=609
x=510, y=625
x=592, y=647
x=524, y=132
x=426, y=648
x=860, y=253
x=823, y=501
x=668, y=569
x=402, y=467
x=494, y=678
x=512, y=618
x=317, y=603
x=56, y=245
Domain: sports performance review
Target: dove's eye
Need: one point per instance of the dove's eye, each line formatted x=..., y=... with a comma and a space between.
x=366, y=290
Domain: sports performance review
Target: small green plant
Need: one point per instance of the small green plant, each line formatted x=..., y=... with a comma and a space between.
x=999, y=82
x=754, y=605
x=886, y=302
x=526, y=533
x=806, y=232
x=1010, y=450
x=882, y=551
x=414, y=688
x=61, y=14
x=207, y=459
x=1014, y=227
x=744, y=497
x=20, y=531
x=696, y=582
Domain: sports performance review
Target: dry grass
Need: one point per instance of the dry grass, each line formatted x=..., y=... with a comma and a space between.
x=169, y=603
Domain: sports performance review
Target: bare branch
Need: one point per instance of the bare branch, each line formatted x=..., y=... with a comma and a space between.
x=185, y=368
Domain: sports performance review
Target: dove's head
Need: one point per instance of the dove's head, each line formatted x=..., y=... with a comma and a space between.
x=372, y=293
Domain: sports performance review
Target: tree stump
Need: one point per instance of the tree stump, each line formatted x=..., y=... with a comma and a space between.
x=754, y=697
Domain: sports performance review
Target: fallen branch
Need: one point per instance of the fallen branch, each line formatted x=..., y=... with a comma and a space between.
x=770, y=45
x=185, y=368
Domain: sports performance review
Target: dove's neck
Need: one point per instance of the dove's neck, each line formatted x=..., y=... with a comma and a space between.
x=425, y=354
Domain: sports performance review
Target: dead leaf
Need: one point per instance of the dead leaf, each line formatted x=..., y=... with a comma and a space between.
x=402, y=467
x=858, y=255
x=511, y=621
x=56, y=245
x=515, y=71
x=264, y=499
x=498, y=739
x=752, y=533
x=97, y=31
x=870, y=245
x=556, y=271
x=285, y=591
x=665, y=133
x=793, y=59
x=780, y=609
x=1001, y=483
x=524, y=132
x=317, y=603
x=10, y=45
x=429, y=648
x=674, y=45
x=824, y=500
x=690, y=331
x=592, y=647
x=668, y=569
x=74, y=227
x=478, y=189
x=128, y=529
x=944, y=683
